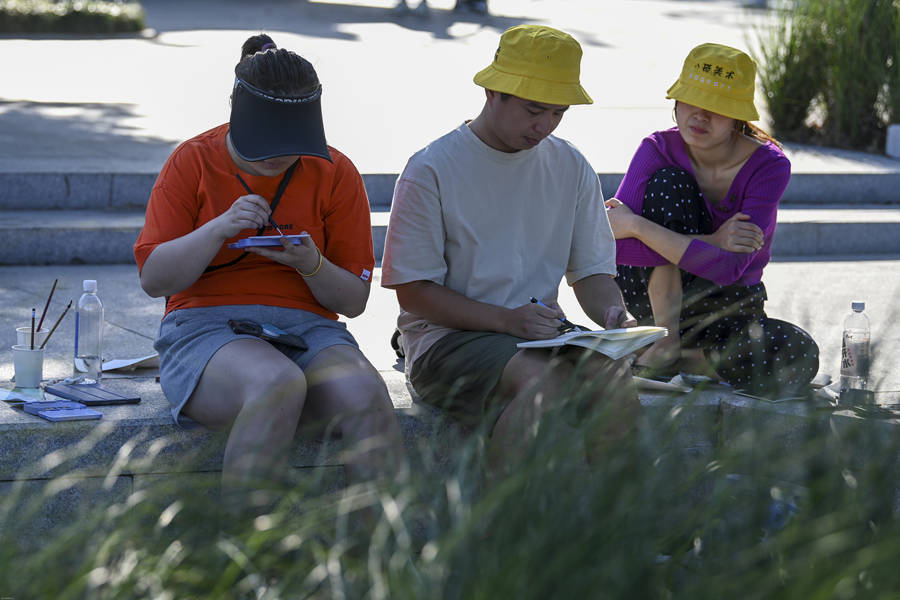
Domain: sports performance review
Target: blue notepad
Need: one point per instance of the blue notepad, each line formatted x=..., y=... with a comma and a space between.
x=61, y=410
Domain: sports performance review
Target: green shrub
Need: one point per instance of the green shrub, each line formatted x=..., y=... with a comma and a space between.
x=829, y=71
x=70, y=16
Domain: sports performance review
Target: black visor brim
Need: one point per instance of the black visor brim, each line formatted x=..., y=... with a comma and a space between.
x=264, y=128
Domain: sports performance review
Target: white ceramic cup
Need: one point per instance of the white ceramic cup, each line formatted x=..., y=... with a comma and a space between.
x=29, y=366
x=23, y=336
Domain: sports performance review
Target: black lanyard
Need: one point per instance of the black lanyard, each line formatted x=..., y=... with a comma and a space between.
x=282, y=185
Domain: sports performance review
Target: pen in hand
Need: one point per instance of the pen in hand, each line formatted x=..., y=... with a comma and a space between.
x=567, y=324
x=249, y=191
x=275, y=225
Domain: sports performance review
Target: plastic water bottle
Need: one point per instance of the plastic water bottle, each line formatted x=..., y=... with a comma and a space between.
x=88, y=335
x=855, y=358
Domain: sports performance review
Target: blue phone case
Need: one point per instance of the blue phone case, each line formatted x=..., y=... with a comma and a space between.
x=266, y=240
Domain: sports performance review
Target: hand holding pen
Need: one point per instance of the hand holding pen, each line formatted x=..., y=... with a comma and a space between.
x=249, y=191
x=531, y=321
x=567, y=325
x=247, y=212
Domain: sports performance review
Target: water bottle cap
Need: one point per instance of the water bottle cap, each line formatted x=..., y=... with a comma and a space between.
x=90, y=285
x=858, y=306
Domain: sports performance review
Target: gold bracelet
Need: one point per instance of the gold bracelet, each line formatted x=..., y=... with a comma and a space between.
x=319, y=266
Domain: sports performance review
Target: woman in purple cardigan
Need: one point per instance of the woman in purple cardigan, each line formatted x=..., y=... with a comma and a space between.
x=694, y=219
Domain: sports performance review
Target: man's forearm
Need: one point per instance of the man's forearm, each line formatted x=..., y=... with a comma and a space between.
x=596, y=294
x=446, y=307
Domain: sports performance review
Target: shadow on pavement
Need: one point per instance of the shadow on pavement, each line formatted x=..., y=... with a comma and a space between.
x=317, y=19
x=83, y=129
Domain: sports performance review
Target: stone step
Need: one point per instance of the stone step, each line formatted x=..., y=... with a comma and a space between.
x=60, y=237
x=118, y=191
x=63, y=237
x=812, y=231
x=124, y=191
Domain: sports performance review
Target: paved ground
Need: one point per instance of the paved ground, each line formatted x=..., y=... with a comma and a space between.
x=815, y=295
x=391, y=83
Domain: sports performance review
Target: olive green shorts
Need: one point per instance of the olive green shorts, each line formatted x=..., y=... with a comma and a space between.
x=460, y=374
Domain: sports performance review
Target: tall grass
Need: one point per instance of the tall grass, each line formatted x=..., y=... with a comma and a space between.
x=829, y=71
x=792, y=507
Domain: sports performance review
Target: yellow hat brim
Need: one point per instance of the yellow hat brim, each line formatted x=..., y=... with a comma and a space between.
x=532, y=88
x=740, y=109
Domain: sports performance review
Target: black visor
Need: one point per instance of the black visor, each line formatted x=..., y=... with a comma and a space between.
x=265, y=126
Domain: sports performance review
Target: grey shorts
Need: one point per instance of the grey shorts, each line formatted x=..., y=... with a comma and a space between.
x=189, y=337
x=460, y=374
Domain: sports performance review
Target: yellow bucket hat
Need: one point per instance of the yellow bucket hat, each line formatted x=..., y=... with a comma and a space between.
x=536, y=63
x=719, y=79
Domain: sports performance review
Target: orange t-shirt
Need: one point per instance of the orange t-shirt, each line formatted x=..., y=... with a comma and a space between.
x=199, y=183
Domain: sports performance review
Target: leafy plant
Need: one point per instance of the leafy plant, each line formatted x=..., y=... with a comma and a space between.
x=70, y=16
x=829, y=71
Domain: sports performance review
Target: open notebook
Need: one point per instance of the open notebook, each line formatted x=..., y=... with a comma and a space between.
x=614, y=343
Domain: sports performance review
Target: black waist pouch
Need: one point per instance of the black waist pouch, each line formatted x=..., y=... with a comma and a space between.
x=267, y=332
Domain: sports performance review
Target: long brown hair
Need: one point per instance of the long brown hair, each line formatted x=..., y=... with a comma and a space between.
x=750, y=130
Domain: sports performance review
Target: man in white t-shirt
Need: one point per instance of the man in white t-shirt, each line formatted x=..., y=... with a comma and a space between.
x=488, y=217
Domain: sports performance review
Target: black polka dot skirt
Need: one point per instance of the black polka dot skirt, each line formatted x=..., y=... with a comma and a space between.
x=748, y=349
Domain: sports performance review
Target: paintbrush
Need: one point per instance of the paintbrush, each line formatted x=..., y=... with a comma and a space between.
x=47, y=304
x=68, y=306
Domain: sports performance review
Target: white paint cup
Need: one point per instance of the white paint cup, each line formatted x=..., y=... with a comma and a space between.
x=23, y=336
x=29, y=365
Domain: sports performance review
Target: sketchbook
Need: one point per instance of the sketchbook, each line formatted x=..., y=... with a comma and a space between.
x=122, y=364
x=614, y=343
x=150, y=361
x=267, y=240
x=653, y=385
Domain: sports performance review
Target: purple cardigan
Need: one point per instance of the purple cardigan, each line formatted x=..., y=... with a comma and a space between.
x=755, y=191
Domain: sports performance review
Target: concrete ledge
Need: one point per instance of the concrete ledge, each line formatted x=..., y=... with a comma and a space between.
x=139, y=440
x=82, y=465
x=142, y=439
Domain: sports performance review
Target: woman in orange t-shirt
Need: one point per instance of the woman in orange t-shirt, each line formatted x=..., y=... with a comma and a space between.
x=268, y=171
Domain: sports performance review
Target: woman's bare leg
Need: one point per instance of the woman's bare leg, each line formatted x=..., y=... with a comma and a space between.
x=664, y=292
x=345, y=390
x=257, y=392
x=693, y=360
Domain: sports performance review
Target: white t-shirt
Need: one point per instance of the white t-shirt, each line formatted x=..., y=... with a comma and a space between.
x=497, y=227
